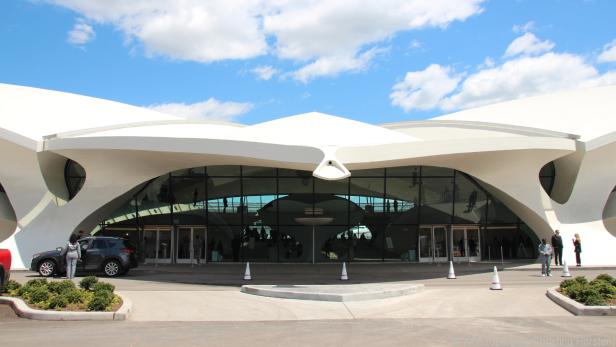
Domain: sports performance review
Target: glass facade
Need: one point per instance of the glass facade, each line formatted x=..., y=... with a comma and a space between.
x=259, y=214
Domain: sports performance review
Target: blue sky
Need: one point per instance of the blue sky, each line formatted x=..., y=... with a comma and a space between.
x=374, y=61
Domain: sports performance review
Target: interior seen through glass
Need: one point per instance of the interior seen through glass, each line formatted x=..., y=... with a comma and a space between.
x=260, y=214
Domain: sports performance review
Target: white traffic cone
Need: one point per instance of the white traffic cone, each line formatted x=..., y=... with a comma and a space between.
x=343, y=276
x=451, y=275
x=566, y=272
x=495, y=281
x=247, y=276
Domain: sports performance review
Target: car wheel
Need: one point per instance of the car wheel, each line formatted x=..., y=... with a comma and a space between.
x=112, y=268
x=47, y=268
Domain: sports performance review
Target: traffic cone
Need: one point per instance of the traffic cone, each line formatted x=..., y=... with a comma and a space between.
x=247, y=276
x=566, y=272
x=343, y=276
x=451, y=275
x=495, y=281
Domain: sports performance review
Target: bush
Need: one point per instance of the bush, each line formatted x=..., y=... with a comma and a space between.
x=12, y=286
x=594, y=299
x=100, y=301
x=61, y=287
x=104, y=286
x=606, y=289
x=74, y=296
x=58, y=301
x=25, y=290
x=580, y=280
x=605, y=277
x=88, y=282
x=566, y=284
x=38, y=295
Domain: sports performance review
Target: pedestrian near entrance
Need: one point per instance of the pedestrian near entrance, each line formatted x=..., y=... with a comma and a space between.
x=557, y=245
x=72, y=251
x=577, y=248
x=545, y=255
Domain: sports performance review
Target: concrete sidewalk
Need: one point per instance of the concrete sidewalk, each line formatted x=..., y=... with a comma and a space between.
x=195, y=294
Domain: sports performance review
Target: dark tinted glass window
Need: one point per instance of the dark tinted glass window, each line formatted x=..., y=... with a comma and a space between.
x=74, y=177
x=99, y=244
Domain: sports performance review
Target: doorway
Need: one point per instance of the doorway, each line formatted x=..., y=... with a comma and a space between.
x=157, y=241
x=190, y=244
x=466, y=244
x=432, y=243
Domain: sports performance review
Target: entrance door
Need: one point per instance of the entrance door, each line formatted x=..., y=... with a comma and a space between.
x=466, y=245
x=190, y=245
x=158, y=241
x=432, y=243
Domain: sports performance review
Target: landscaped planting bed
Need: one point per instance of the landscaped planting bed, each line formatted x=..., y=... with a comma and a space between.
x=599, y=292
x=65, y=295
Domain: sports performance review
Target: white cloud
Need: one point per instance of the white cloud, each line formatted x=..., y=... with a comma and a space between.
x=609, y=53
x=328, y=37
x=425, y=89
x=334, y=65
x=524, y=28
x=210, y=109
x=81, y=33
x=528, y=44
x=522, y=76
x=265, y=72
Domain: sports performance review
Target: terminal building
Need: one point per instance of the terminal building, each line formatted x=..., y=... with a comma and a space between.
x=484, y=184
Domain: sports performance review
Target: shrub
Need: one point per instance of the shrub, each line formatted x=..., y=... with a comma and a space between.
x=580, y=280
x=74, y=296
x=12, y=286
x=100, y=301
x=104, y=286
x=61, y=287
x=38, y=295
x=586, y=294
x=606, y=289
x=58, y=301
x=25, y=290
x=594, y=299
x=566, y=284
x=88, y=282
x=605, y=277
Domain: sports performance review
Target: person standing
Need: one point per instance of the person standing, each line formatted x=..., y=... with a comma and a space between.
x=557, y=245
x=545, y=254
x=577, y=248
x=73, y=253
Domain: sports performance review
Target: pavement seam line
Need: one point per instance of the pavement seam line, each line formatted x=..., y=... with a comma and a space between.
x=348, y=310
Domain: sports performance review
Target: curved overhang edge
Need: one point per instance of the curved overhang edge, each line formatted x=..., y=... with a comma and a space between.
x=401, y=151
x=231, y=148
x=18, y=139
x=475, y=125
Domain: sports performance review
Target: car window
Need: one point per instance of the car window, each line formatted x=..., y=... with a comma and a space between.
x=99, y=244
x=113, y=243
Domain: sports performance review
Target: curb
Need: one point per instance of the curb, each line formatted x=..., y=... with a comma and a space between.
x=577, y=308
x=25, y=311
x=324, y=295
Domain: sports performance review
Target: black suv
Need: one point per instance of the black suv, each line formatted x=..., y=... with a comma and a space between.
x=112, y=256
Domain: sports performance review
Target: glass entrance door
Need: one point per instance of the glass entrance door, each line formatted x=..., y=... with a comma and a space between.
x=157, y=241
x=432, y=243
x=190, y=244
x=466, y=243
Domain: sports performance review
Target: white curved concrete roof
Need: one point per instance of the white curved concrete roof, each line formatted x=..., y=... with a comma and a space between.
x=590, y=113
x=34, y=112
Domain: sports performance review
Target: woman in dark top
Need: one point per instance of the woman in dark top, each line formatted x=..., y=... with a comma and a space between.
x=577, y=244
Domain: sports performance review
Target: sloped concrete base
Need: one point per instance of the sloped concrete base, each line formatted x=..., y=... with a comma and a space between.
x=337, y=293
